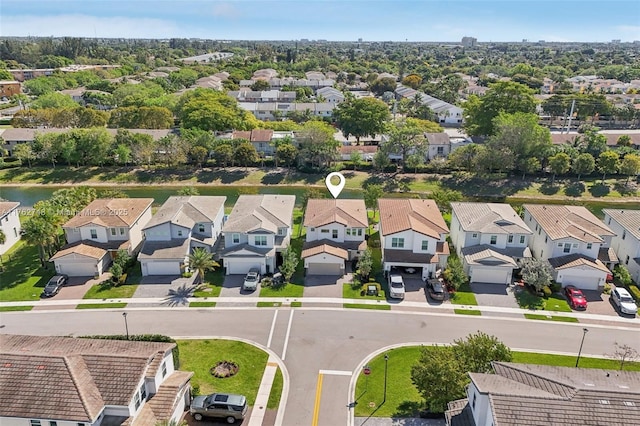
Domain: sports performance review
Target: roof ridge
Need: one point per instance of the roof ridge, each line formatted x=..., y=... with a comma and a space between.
x=515, y=366
x=76, y=381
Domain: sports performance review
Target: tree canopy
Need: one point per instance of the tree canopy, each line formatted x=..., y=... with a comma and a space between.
x=361, y=117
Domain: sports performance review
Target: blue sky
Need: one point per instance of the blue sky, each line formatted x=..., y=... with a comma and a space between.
x=374, y=20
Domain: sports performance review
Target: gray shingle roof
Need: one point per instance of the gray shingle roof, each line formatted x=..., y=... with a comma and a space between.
x=175, y=249
x=628, y=219
x=569, y=222
x=490, y=256
x=267, y=212
x=188, y=210
x=489, y=218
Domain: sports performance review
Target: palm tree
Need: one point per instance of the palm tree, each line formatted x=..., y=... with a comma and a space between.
x=202, y=261
x=41, y=232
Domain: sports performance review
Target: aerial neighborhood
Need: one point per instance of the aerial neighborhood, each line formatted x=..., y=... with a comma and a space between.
x=196, y=229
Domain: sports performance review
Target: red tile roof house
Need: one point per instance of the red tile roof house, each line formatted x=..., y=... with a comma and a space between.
x=413, y=234
x=73, y=381
x=96, y=233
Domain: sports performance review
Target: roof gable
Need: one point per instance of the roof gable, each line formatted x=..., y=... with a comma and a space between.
x=569, y=222
x=422, y=216
x=489, y=218
x=187, y=211
x=267, y=211
x=325, y=211
x=628, y=219
x=111, y=212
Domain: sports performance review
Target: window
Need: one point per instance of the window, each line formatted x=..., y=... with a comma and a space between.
x=473, y=401
x=521, y=239
x=624, y=234
x=313, y=229
x=541, y=253
x=94, y=233
x=567, y=248
x=261, y=240
x=626, y=262
x=113, y=231
x=609, y=221
x=201, y=228
x=143, y=392
x=35, y=423
x=122, y=231
x=15, y=232
x=81, y=424
x=494, y=240
x=164, y=369
x=179, y=232
x=136, y=400
x=425, y=245
x=474, y=235
x=589, y=246
x=282, y=231
x=334, y=233
x=235, y=238
x=397, y=242
x=539, y=229
x=440, y=150
x=545, y=239
x=53, y=423
x=76, y=230
x=510, y=239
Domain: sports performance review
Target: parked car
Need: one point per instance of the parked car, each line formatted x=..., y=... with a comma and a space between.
x=396, y=286
x=575, y=297
x=226, y=406
x=623, y=300
x=53, y=286
x=251, y=280
x=435, y=288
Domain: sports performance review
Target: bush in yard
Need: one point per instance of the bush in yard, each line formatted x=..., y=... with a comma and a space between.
x=537, y=273
x=116, y=273
x=635, y=293
x=621, y=276
x=547, y=291
x=555, y=287
x=365, y=264
x=454, y=273
x=607, y=288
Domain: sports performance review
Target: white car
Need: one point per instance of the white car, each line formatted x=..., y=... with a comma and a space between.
x=251, y=280
x=396, y=286
x=623, y=300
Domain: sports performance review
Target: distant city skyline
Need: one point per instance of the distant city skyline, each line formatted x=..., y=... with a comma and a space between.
x=346, y=20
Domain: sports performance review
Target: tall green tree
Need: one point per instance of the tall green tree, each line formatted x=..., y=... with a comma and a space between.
x=536, y=272
x=630, y=165
x=372, y=192
x=559, y=165
x=201, y=260
x=584, y=164
x=245, y=154
x=290, y=261
x=361, y=117
x=317, y=144
x=365, y=265
x=24, y=153
x=41, y=231
x=608, y=163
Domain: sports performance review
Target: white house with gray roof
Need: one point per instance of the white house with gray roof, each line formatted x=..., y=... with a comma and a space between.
x=257, y=229
x=626, y=242
x=182, y=224
x=575, y=242
x=9, y=224
x=490, y=238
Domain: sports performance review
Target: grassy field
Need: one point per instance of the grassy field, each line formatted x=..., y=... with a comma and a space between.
x=349, y=292
x=22, y=278
x=212, y=285
x=296, y=304
x=200, y=355
x=463, y=296
x=403, y=399
x=101, y=306
x=550, y=318
x=528, y=300
x=106, y=291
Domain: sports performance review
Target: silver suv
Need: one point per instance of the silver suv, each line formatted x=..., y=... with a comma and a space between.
x=226, y=406
x=396, y=286
x=623, y=300
x=251, y=280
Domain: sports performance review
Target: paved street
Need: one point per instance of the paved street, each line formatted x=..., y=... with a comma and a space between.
x=313, y=339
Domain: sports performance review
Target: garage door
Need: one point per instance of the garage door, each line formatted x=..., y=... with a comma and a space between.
x=76, y=269
x=489, y=275
x=161, y=268
x=242, y=266
x=585, y=283
x=325, y=269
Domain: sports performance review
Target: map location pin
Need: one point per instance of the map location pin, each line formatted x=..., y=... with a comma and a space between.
x=334, y=189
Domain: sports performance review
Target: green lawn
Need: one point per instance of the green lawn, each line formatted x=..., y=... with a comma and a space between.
x=557, y=303
x=101, y=306
x=528, y=300
x=212, y=285
x=200, y=355
x=23, y=279
x=463, y=296
x=467, y=312
x=106, y=291
x=296, y=304
x=349, y=292
x=269, y=304
x=403, y=399
x=15, y=308
x=202, y=304
x=550, y=318
x=289, y=290
x=276, y=391
x=365, y=306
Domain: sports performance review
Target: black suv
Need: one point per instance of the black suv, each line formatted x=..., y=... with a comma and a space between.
x=53, y=286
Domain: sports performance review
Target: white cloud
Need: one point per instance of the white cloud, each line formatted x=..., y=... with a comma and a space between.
x=88, y=26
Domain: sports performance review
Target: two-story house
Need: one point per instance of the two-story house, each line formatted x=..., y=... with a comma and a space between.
x=67, y=381
x=335, y=233
x=95, y=234
x=413, y=234
x=179, y=226
x=256, y=231
x=626, y=243
x=9, y=225
x=530, y=394
x=490, y=238
x=575, y=242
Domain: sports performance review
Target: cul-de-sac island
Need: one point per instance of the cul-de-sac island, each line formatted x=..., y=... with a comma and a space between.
x=316, y=232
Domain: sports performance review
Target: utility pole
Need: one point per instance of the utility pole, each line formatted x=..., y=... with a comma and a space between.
x=573, y=105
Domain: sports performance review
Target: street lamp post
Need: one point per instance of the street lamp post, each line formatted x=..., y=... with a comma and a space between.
x=584, y=333
x=126, y=326
x=386, y=361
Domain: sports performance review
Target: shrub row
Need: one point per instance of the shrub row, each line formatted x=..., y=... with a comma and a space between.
x=143, y=338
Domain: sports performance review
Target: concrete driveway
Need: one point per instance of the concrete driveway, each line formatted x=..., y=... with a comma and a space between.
x=232, y=287
x=414, y=288
x=599, y=303
x=488, y=294
x=75, y=289
x=175, y=289
x=325, y=285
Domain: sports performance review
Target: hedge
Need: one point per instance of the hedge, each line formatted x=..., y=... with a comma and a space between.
x=143, y=338
x=635, y=293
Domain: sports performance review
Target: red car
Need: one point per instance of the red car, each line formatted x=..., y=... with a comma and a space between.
x=575, y=297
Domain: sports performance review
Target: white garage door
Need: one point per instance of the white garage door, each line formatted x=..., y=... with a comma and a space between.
x=325, y=269
x=242, y=266
x=481, y=274
x=78, y=269
x=585, y=283
x=161, y=268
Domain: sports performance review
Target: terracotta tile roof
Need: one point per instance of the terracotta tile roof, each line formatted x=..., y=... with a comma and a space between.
x=164, y=402
x=324, y=246
x=261, y=135
x=81, y=248
x=422, y=216
x=70, y=378
x=7, y=207
x=255, y=212
x=490, y=218
x=576, y=260
x=241, y=134
x=569, y=222
x=363, y=149
x=187, y=211
x=628, y=219
x=324, y=211
x=111, y=212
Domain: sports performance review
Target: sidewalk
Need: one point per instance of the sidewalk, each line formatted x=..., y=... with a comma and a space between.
x=260, y=406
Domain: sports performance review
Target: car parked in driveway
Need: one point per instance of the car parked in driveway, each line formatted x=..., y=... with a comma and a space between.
x=226, y=406
x=623, y=301
x=53, y=286
x=435, y=288
x=396, y=286
x=575, y=297
x=251, y=280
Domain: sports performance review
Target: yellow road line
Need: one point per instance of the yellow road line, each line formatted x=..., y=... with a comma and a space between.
x=316, y=407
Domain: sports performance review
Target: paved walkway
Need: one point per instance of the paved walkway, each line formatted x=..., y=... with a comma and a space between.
x=260, y=406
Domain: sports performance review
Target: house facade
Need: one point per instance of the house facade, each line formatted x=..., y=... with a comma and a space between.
x=413, y=234
x=626, y=243
x=66, y=381
x=335, y=233
x=439, y=145
x=95, y=234
x=575, y=242
x=257, y=230
x=9, y=224
x=490, y=239
x=182, y=224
